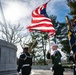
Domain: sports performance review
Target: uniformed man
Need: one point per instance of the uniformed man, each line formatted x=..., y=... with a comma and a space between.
x=25, y=62
x=56, y=61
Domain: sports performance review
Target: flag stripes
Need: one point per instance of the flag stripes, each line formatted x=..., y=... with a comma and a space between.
x=40, y=20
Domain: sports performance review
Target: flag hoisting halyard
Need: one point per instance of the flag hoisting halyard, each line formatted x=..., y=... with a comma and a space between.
x=40, y=21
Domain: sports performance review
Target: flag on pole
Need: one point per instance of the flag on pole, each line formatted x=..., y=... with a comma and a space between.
x=40, y=20
x=72, y=39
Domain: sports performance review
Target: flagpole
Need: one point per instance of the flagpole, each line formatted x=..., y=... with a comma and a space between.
x=4, y=20
x=32, y=46
x=48, y=1
x=49, y=42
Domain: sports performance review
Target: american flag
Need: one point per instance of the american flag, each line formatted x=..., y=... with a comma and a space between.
x=40, y=21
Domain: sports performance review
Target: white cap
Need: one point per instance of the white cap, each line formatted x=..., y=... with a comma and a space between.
x=54, y=45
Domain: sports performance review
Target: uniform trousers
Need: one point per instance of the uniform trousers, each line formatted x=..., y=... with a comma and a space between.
x=58, y=70
x=26, y=70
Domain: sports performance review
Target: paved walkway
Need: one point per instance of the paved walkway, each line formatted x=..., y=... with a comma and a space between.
x=48, y=72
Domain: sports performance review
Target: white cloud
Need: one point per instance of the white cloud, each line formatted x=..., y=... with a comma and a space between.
x=20, y=10
x=15, y=11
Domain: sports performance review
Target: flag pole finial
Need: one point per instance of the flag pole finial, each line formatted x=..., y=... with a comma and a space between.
x=49, y=1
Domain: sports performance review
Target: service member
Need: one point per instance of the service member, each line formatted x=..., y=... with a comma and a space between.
x=25, y=62
x=56, y=61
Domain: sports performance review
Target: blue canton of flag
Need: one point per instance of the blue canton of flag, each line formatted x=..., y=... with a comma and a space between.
x=44, y=11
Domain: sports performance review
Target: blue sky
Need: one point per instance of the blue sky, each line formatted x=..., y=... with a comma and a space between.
x=58, y=8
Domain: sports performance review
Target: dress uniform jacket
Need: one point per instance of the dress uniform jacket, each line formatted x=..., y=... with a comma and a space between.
x=56, y=57
x=56, y=61
x=25, y=63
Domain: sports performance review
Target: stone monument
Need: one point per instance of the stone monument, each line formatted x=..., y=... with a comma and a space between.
x=8, y=59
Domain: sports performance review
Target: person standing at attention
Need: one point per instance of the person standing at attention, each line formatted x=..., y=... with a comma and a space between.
x=25, y=62
x=56, y=61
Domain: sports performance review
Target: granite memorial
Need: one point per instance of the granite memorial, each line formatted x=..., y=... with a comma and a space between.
x=8, y=59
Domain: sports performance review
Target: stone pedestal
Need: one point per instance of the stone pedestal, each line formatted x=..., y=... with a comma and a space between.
x=8, y=58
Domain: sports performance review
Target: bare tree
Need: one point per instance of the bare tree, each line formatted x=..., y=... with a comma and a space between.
x=11, y=33
x=25, y=41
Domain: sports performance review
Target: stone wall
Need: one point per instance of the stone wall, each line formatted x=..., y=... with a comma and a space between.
x=7, y=58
